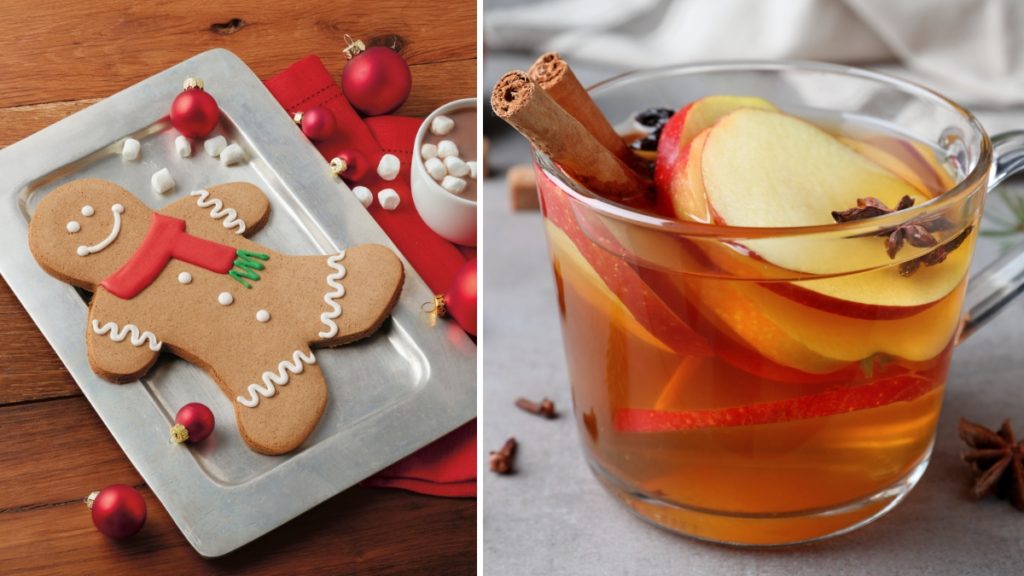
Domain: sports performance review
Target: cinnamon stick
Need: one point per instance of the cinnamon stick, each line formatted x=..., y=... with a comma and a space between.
x=552, y=130
x=555, y=77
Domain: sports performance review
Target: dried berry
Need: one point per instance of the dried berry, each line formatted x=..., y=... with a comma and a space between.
x=654, y=117
x=648, y=143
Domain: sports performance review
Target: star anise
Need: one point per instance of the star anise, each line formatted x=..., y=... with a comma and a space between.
x=996, y=459
x=916, y=232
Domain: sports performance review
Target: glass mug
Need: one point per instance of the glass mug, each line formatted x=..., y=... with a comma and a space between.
x=765, y=386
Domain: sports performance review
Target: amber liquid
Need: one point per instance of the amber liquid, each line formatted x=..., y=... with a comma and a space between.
x=769, y=423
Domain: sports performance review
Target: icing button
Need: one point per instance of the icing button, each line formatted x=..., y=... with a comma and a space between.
x=263, y=316
x=225, y=298
x=185, y=278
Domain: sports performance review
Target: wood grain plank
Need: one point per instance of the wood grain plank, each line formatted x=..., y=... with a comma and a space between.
x=17, y=122
x=357, y=532
x=59, y=51
x=31, y=369
x=55, y=452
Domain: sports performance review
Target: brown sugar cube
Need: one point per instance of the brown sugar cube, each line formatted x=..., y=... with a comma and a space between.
x=522, y=187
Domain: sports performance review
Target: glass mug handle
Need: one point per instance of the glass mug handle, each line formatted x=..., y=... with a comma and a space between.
x=995, y=286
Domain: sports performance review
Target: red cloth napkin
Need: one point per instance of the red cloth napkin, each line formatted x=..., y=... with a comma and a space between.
x=447, y=467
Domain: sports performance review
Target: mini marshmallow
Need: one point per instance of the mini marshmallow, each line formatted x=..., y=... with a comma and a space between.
x=446, y=148
x=233, y=154
x=130, y=150
x=364, y=195
x=388, y=167
x=456, y=167
x=388, y=199
x=472, y=169
x=162, y=181
x=453, y=184
x=436, y=168
x=214, y=146
x=183, y=146
x=441, y=125
x=428, y=151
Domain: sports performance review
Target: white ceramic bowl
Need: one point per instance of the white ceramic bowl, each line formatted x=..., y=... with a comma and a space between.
x=451, y=216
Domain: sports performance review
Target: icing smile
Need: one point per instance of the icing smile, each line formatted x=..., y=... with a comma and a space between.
x=117, y=209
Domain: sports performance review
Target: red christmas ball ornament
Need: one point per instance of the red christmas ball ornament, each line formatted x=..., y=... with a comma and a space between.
x=376, y=80
x=118, y=511
x=350, y=165
x=459, y=301
x=193, y=423
x=194, y=113
x=317, y=124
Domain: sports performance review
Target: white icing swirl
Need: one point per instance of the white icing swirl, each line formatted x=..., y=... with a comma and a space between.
x=218, y=210
x=117, y=209
x=332, y=280
x=118, y=334
x=279, y=378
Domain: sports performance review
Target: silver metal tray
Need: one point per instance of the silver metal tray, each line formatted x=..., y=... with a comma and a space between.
x=391, y=394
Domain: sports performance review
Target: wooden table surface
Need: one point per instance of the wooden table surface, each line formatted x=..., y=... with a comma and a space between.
x=59, y=57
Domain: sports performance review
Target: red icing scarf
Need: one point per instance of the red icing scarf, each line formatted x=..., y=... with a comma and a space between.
x=166, y=239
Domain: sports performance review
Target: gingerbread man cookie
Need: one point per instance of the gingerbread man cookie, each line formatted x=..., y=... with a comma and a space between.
x=185, y=279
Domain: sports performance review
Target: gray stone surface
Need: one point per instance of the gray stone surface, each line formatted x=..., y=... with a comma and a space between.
x=552, y=517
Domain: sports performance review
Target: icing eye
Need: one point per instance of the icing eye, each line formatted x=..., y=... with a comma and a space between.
x=117, y=208
x=73, y=227
x=87, y=211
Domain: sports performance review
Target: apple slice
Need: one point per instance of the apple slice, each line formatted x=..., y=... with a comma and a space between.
x=574, y=271
x=920, y=158
x=798, y=175
x=618, y=276
x=767, y=169
x=902, y=388
x=680, y=191
x=786, y=322
x=888, y=161
x=678, y=143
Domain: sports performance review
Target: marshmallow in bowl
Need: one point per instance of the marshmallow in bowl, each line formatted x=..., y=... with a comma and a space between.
x=472, y=169
x=456, y=167
x=130, y=149
x=388, y=199
x=453, y=184
x=428, y=151
x=388, y=167
x=441, y=125
x=161, y=181
x=436, y=168
x=446, y=148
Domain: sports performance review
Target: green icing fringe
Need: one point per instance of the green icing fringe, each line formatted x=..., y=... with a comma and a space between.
x=246, y=266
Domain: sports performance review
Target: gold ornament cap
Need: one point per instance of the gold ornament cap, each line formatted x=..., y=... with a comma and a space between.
x=297, y=118
x=193, y=82
x=354, y=47
x=91, y=498
x=179, y=434
x=338, y=166
x=439, y=306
